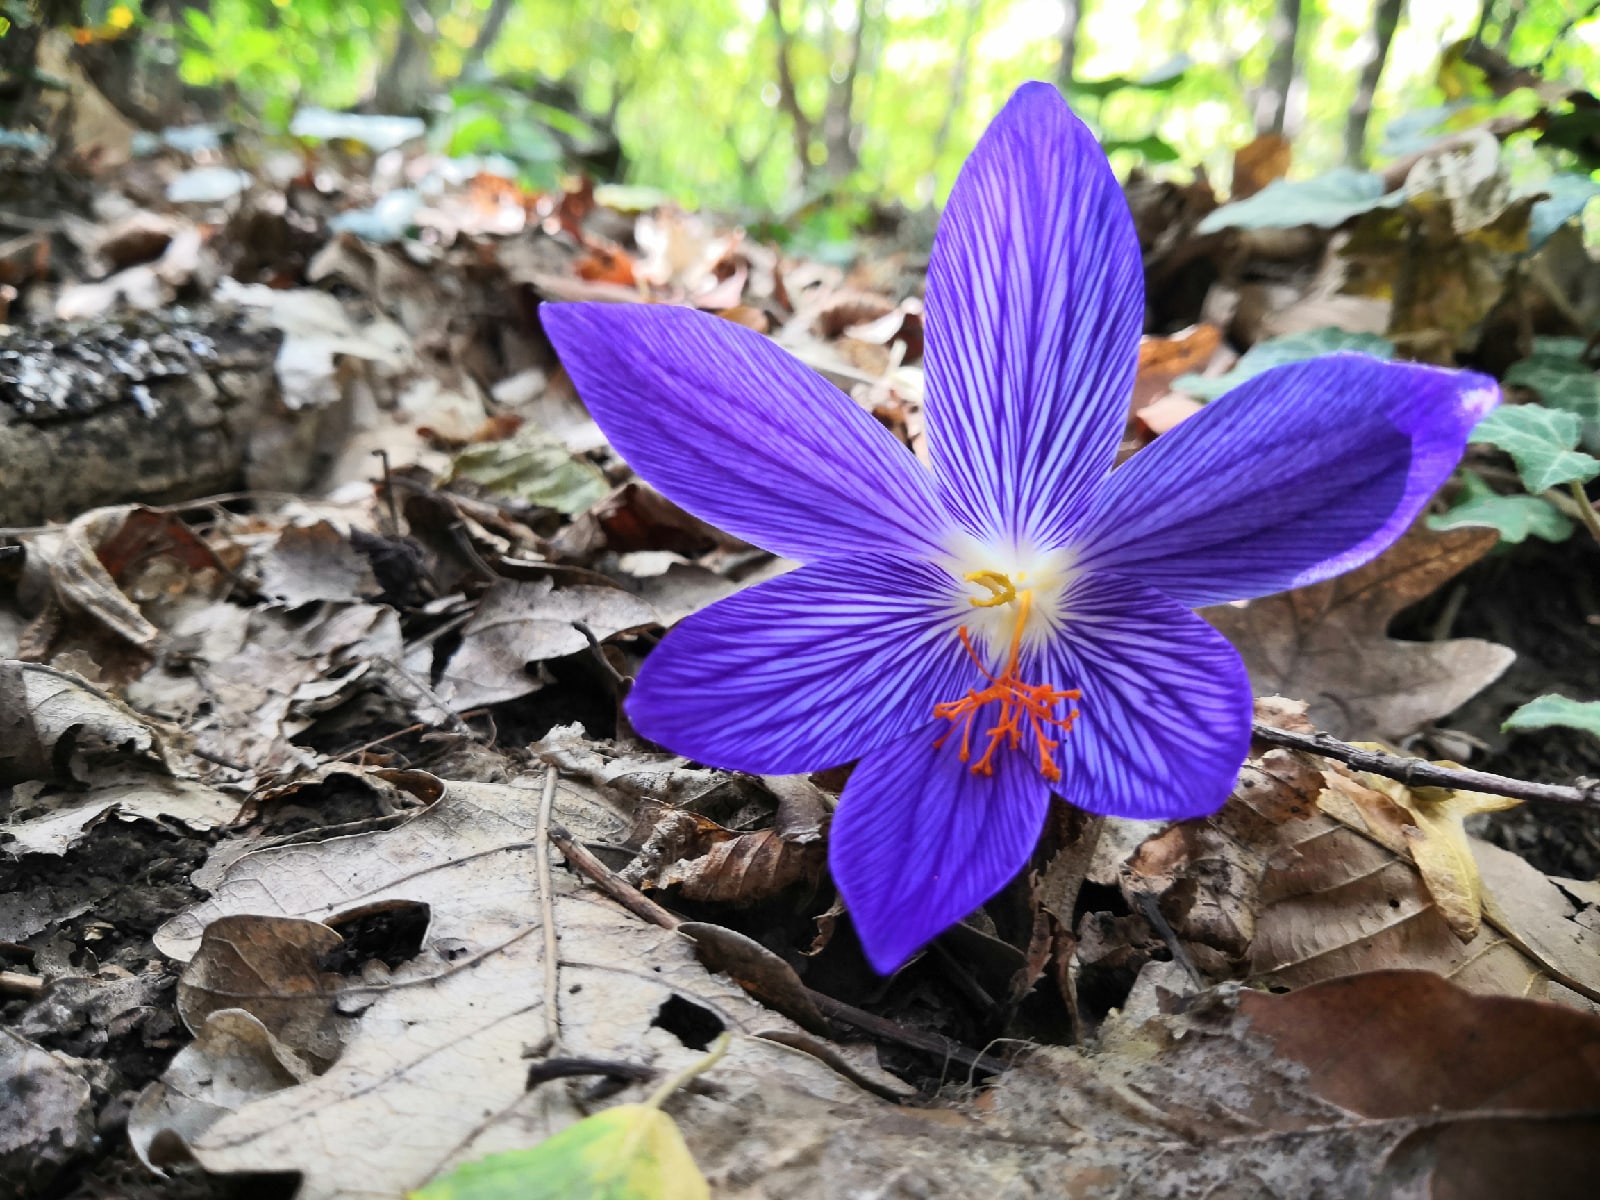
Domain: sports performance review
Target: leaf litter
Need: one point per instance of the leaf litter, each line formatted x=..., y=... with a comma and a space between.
x=353, y=987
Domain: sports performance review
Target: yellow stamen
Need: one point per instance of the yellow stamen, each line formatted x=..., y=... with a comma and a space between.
x=1035, y=701
x=1001, y=589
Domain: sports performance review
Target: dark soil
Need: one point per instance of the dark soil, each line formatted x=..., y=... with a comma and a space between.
x=1543, y=601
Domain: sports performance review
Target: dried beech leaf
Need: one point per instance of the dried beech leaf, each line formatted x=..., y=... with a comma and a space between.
x=1326, y=643
x=432, y=1074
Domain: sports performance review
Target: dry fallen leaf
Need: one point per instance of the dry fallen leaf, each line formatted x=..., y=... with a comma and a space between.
x=1277, y=891
x=49, y=1119
x=1326, y=643
x=1258, y=163
x=432, y=1073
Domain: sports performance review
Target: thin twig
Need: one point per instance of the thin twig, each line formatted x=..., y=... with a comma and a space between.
x=547, y=913
x=388, y=493
x=14, y=983
x=620, y=683
x=624, y=893
x=698, y=1067
x=609, y=882
x=1415, y=772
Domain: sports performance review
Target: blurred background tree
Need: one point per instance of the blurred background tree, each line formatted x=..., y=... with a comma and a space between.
x=767, y=105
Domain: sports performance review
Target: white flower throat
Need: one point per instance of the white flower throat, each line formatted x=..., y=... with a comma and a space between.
x=1011, y=610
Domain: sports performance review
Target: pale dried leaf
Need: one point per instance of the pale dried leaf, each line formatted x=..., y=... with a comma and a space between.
x=433, y=1074
x=1326, y=643
x=519, y=622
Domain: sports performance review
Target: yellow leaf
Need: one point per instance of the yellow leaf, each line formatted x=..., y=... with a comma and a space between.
x=1437, y=839
x=631, y=1152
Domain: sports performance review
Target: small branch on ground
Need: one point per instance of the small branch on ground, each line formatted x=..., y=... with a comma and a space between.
x=608, y=881
x=1418, y=772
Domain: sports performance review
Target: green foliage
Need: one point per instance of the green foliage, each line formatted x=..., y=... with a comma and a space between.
x=1545, y=711
x=1562, y=380
x=1275, y=352
x=1566, y=196
x=630, y=1152
x=1517, y=518
x=1326, y=201
x=533, y=467
x=691, y=87
x=1541, y=441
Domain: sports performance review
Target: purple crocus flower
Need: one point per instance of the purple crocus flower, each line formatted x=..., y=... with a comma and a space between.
x=1017, y=620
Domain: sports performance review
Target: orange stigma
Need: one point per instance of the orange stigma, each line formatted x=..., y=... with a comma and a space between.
x=1033, y=702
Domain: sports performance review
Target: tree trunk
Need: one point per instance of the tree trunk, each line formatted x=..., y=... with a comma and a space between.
x=1385, y=16
x=1068, y=62
x=1273, y=104
x=958, y=79
x=840, y=134
x=488, y=34
x=788, y=99
x=407, y=77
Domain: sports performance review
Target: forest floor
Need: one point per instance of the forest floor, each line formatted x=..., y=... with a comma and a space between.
x=299, y=715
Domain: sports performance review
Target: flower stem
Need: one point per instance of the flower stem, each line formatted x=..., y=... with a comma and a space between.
x=659, y=1096
x=1586, y=513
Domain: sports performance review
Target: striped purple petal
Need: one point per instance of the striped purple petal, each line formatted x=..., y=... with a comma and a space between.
x=724, y=423
x=1035, y=301
x=919, y=841
x=1296, y=475
x=1164, y=721
x=808, y=670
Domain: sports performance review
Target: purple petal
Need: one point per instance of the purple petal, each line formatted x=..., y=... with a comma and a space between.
x=919, y=840
x=1164, y=721
x=808, y=670
x=1034, y=304
x=724, y=423
x=1296, y=475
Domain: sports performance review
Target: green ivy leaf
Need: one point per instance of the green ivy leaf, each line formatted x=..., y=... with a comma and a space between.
x=1295, y=347
x=1326, y=201
x=1540, y=441
x=1516, y=518
x=1545, y=711
x=1565, y=198
x=1562, y=381
x=631, y=1152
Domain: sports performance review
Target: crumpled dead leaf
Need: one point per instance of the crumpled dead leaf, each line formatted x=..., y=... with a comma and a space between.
x=1326, y=643
x=308, y=563
x=1444, y=255
x=48, y=1117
